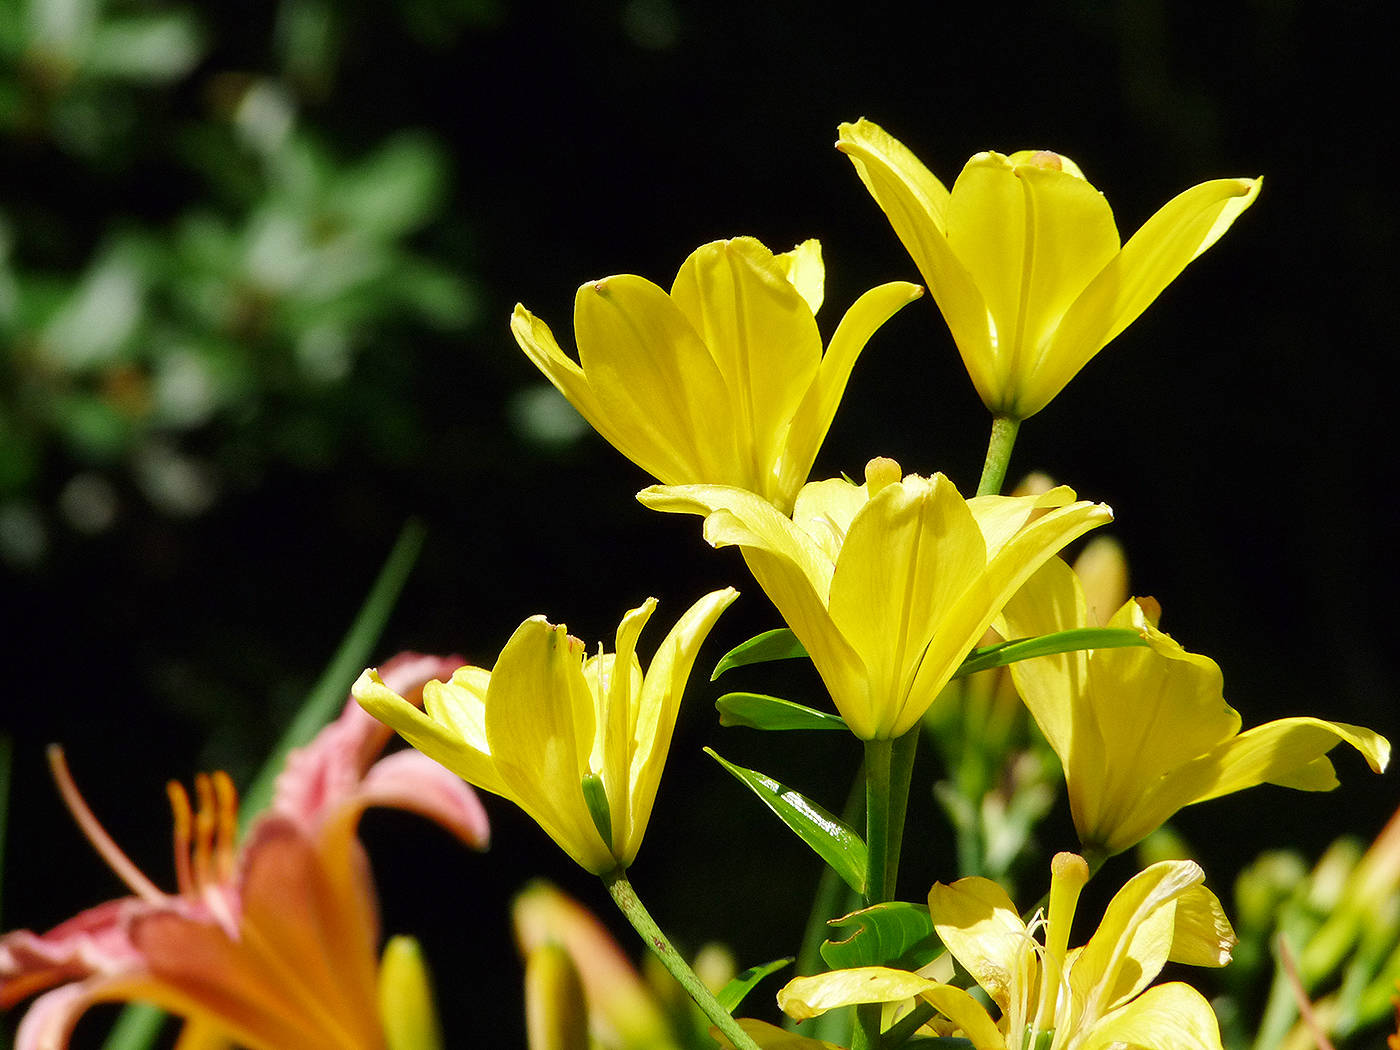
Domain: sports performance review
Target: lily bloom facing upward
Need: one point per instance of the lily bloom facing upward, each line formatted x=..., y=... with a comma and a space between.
x=1024, y=261
x=269, y=945
x=887, y=585
x=1051, y=997
x=1142, y=732
x=722, y=380
x=577, y=742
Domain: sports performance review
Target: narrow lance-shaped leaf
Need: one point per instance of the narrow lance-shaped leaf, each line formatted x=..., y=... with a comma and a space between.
x=780, y=644
x=894, y=933
x=757, y=711
x=732, y=994
x=829, y=838
x=1073, y=640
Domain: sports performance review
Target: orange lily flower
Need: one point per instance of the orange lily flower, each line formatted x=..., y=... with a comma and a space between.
x=268, y=945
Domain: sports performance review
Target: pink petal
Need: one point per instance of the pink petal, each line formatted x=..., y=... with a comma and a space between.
x=411, y=780
x=326, y=773
x=92, y=942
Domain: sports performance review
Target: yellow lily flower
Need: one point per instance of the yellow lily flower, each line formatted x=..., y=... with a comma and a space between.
x=1024, y=259
x=889, y=584
x=1048, y=996
x=1142, y=732
x=548, y=727
x=722, y=380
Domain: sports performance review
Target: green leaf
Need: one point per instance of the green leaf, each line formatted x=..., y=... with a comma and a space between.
x=781, y=644
x=891, y=934
x=756, y=711
x=831, y=839
x=329, y=693
x=1004, y=653
x=732, y=994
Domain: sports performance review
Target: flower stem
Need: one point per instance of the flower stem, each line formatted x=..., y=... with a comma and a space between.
x=627, y=902
x=888, y=764
x=999, y=448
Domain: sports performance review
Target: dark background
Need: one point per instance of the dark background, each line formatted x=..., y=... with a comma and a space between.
x=1240, y=429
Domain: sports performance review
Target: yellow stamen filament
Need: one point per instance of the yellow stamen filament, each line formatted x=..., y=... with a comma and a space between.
x=95, y=833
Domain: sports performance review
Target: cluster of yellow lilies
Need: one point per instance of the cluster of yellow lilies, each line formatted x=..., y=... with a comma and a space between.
x=720, y=389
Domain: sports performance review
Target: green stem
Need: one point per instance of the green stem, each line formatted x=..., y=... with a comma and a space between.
x=999, y=448
x=626, y=899
x=901, y=774
x=879, y=878
x=879, y=873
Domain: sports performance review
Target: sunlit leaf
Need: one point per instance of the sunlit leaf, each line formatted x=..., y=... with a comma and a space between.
x=891, y=934
x=756, y=711
x=1003, y=653
x=780, y=644
x=832, y=840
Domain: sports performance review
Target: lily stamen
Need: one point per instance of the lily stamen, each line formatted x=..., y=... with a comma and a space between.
x=95, y=833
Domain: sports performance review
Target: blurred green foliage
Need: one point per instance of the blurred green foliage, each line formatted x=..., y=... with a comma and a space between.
x=176, y=358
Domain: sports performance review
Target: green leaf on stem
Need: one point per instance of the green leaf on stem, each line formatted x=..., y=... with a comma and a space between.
x=831, y=839
x=781, y=644
x=1003, y=653
x=732, y=994
x=894, y=933
x=757, y=711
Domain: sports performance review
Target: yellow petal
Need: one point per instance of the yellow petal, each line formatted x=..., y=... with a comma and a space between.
x=1007, y=570
x=654, y=380
x=1287, y=751
x=1153, y=257
x=978, y=924
x=813, y=419
x=1202, y=935
x=807, y=997
x=791, y=568
x=916, y=204
x=656, y=709
x=540, y=346
x=540, y=722
x=1134, y=939
x=440, y=742
x=805, y=271
x=1167, y=1017
x=967, y=1013
x=1053, y=686
x=616, y=733
x=762, y=337
x=909, y=557
x=1032, y=238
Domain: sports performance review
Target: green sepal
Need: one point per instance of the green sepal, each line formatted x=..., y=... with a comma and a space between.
x=1003, y=653
x=894, y=933
x=831, y=839
x=780, y=644
x=757, y=711
x=732, y=994
x=595, y=797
